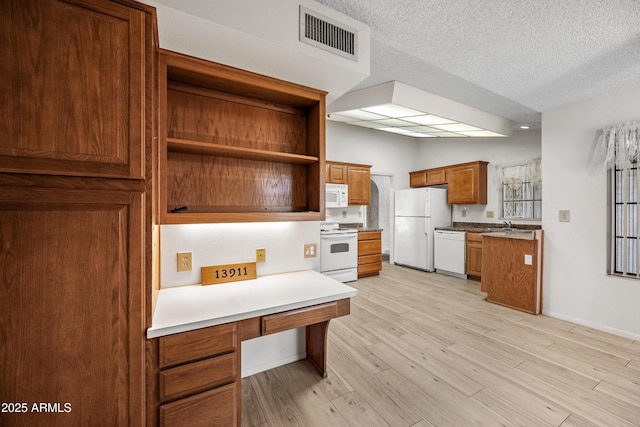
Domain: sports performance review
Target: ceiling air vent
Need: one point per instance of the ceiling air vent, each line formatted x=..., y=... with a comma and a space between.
x=324, y=33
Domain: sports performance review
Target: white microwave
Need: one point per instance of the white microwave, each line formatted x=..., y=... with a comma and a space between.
x=337, y=196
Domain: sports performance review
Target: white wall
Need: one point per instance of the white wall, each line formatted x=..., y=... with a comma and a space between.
x=521, y=146
x=387, y=153
x=576, y=286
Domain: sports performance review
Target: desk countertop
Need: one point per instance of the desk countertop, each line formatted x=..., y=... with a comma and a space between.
x=186, y=308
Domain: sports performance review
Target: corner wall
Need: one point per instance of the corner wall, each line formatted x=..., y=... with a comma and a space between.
x=576, y=285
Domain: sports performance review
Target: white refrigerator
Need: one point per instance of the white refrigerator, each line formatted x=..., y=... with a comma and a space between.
x=417, y=212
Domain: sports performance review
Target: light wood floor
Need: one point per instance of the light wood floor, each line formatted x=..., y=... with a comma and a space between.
x=422, y=349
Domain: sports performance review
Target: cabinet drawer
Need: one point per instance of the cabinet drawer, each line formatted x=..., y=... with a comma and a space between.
x=297, y=318
x=370, y=235
x=212, y=408
x=198, y=344
x=369, y=247
x=369, y=269
x=370, y=259
x=198, y=376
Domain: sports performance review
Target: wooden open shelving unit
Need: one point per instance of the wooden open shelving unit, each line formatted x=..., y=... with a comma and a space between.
x=236, y=146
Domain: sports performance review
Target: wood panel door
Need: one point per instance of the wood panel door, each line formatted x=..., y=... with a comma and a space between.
x=72, y=304
x=73, y=85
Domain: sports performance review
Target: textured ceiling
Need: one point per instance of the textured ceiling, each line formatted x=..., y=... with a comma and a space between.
x=513, y=58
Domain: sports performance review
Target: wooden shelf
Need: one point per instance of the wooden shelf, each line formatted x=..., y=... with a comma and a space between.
x=207, y=148
x=235, y=146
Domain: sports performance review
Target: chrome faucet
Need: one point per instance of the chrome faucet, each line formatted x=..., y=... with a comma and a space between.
x=508, y=224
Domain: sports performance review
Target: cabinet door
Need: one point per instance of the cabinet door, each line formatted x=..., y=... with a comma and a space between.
x=336, y=174
x=418, y=179
x=73, y=88
x=436, y=176
x=71, y=298
x=467, y=184
x=474, y=254
x=359, y=185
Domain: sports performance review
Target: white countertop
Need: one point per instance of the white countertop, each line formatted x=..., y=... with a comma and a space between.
x=186, y=308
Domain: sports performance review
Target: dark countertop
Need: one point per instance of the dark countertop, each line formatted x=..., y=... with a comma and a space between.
x=359, y=228
x=485, y=227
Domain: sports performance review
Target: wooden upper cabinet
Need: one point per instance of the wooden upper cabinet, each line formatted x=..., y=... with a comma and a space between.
x=336, y=173
x=73, y=85
x=359, y=179
x=357, y=176
x=467, y=183
x=236, y=146
x=427, y=177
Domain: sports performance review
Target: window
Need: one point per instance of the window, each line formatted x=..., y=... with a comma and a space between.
x=624, y=220
x=521, y=190
x=620, y=147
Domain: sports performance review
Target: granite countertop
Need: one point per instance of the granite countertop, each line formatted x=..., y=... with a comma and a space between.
x=486, y=227
x=519, y=231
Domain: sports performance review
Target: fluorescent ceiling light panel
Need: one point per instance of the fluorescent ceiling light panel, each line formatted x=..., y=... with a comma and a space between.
x=420, y=112
x=395, y=123
x=392, y=110
x=362, y=115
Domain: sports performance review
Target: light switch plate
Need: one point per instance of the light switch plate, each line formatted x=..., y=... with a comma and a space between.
x=310, y=250
x=564, y=216
x=489, y=214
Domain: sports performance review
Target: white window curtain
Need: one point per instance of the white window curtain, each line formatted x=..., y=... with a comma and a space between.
x=620, y=145
x=521, y=188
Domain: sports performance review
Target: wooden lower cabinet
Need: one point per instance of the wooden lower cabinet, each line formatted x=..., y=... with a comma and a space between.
x=71, y=298
x=369, y=253
x=195, y=378
x=474, y=255
x=511, y=272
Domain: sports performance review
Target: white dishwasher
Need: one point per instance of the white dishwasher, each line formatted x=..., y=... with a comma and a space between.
x=449, y=253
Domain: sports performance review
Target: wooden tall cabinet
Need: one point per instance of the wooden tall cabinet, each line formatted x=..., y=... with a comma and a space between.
x=75, y=210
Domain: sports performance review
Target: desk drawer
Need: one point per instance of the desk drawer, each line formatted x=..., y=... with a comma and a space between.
x=212, y=408
x=198, y=376
x=199, y=344
x=298, y=318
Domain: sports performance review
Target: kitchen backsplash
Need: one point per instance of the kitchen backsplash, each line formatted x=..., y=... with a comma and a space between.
x=348, y=215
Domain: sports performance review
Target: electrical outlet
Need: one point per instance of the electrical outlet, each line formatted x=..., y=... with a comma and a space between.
x=184, y=261
x=564, y=216
x=261, y=255
x=310, y=250
x=344, y=214
x=489, y=214
x=463, y=213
